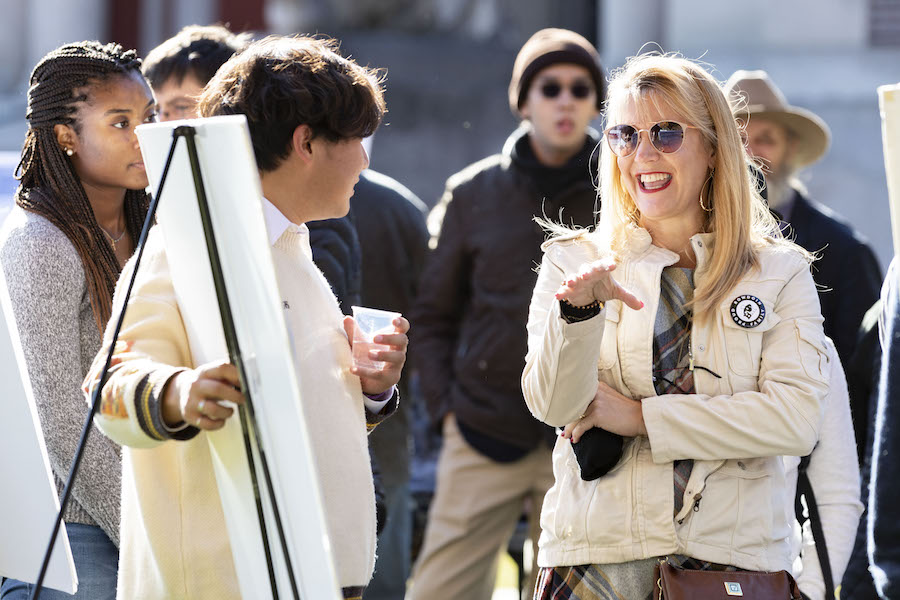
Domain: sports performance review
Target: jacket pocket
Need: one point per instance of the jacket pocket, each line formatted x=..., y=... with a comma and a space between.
x=578, y=513
x=744, y=335
x=812, y=352
x=609, y=347
x=735, y=510
x=609, y=367
x=608, y=515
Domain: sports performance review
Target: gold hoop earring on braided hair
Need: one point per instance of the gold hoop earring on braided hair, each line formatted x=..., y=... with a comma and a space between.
x=709, y=180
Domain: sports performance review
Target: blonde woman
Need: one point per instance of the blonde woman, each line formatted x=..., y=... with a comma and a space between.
x=703, y=326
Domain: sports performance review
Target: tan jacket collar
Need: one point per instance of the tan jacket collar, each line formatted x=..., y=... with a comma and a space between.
x=638, y=242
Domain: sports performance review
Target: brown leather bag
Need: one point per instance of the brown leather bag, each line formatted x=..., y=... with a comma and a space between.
x=675, y=583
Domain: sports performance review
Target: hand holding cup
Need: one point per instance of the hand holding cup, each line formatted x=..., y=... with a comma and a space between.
x=378, y=341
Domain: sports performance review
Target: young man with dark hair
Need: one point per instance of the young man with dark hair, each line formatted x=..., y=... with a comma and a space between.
x=174, y=539
x=472, y=310
x=178, y=70
x=180, y=67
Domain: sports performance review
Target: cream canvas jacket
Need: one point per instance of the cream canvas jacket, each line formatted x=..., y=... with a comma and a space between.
x=767, y=401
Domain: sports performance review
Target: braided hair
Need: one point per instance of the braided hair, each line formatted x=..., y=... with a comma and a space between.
x=49, y=184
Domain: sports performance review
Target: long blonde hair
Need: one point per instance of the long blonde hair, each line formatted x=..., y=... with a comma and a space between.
x=738, y=215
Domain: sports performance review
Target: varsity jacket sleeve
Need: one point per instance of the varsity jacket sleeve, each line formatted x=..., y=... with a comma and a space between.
x=442, y=299
x=373, y=419
x=556, y=385
x=783, y=417
x=834, y=475
x=151, y=349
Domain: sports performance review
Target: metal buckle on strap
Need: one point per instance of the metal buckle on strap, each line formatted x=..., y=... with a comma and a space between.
x=659, y=579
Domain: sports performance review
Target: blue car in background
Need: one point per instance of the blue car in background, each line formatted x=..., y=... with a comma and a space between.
x=8, y=184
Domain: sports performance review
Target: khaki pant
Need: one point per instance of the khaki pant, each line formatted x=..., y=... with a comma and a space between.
x=476, y=506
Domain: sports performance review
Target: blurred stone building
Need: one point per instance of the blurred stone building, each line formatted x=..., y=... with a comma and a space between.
x=448, y=64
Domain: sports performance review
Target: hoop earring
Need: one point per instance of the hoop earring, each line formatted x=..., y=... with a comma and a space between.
x=709, y=193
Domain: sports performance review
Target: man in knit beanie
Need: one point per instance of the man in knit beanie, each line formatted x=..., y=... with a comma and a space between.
x=473, y=306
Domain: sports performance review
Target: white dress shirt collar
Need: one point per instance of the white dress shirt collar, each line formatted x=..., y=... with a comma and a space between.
x=277, y=223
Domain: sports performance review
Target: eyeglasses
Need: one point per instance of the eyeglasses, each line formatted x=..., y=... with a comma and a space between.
x=579, y=90
x=666, y=136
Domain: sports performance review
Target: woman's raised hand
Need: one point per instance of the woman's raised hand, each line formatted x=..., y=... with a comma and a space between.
x=594, y=281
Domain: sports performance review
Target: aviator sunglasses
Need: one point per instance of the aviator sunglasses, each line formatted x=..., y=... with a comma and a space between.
x=666, y=136
x=579, y=90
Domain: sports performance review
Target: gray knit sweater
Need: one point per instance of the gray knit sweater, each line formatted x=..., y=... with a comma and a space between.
x=50, y=299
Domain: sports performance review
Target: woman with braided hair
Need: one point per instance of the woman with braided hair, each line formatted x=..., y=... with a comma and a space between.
x=79, y=211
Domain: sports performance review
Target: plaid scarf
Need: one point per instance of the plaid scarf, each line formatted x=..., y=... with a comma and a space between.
x=672, y=352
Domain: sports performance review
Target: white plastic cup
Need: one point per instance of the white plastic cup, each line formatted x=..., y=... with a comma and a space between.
x=369, y=323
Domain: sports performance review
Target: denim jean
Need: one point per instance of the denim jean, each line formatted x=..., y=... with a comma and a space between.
x=96, y=562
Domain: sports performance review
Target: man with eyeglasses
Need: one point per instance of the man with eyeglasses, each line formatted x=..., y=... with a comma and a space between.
x=473, y=307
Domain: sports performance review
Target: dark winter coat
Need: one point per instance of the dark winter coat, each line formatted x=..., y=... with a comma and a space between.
x=469, y=322
x=847, y=273
x=884, y=517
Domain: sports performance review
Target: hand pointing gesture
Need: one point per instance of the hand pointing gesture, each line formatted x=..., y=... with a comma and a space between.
x=594, y=281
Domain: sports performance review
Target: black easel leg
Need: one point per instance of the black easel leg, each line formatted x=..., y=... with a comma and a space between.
x=95, y=400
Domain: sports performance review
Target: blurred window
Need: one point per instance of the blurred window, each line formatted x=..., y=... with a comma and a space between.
x=884, y=23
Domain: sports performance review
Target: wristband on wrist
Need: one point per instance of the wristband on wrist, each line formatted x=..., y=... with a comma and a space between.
x=573, y=314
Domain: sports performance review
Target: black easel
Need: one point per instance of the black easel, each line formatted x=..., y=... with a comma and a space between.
x=246, y=412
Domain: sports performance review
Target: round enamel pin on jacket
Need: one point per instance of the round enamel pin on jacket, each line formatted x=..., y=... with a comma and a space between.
x=747, y=311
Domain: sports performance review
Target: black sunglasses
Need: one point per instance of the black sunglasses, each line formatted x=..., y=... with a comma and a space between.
x=579, y=90
x=666, y=136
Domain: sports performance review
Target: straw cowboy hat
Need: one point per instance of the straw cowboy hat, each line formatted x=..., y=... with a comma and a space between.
x=764, y=99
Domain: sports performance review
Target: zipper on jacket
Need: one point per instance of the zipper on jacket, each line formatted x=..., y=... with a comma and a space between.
x=697, y=499
x=695, y=507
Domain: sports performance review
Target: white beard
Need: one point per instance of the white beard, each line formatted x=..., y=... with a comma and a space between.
x=778, y=191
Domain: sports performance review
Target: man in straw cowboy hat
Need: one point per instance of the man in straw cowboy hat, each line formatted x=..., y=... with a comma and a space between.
x=785, y=139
